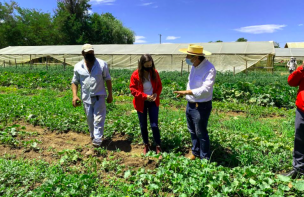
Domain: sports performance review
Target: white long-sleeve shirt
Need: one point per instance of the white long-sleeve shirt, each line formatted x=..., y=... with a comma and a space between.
x=292, y=65
x=200, y=81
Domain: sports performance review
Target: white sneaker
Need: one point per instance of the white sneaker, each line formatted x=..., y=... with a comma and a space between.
x=96, y=143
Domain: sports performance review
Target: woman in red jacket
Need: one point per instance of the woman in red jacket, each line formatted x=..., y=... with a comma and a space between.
x=296, y=79
x=146, y=86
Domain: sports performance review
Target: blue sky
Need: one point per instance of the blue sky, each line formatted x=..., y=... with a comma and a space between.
x=189, y=21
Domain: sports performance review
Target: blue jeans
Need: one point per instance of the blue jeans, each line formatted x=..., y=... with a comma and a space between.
x=197, y=119
x=298, y=152
x=153, y=115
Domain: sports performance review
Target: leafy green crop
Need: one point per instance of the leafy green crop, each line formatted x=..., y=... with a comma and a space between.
x=255, y=88
x=251, y=130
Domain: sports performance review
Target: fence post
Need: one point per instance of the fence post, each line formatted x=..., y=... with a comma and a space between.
x=30, y=62
x=234, y=70
x=246, y=68
x=46, y=62
x=4, y=63
x=182, y=68
x=64, y=63
x=130, y=62
x=15, y=62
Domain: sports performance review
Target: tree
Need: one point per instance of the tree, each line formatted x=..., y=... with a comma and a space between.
x=78, y=27
x=218, y=41
x=35, y=27
x=71, y=20
x=106, y=29
x=74, y=7
x=276, y=45
x=26, y=27
x=8, y=23
x=241, y=40
x=71, y=24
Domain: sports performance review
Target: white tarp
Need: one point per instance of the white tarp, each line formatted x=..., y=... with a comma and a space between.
x=226, y=56
x=286, y=53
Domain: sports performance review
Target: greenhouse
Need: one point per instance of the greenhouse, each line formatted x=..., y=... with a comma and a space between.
x=226, y=56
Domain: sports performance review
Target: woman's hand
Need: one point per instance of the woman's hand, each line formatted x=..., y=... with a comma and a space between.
x=154, y=96
x=149, y=98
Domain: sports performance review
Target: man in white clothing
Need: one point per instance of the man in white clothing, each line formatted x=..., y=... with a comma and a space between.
x=91, y=73
x=292, y=64
x=199, y=96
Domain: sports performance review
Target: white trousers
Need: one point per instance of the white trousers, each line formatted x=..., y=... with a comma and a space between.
x=96, y=115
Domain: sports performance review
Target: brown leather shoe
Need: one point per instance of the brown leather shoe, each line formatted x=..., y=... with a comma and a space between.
x=158, y=150
x=191, y=157
x=146, y=149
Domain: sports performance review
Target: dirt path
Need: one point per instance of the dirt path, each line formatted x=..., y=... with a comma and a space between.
x=51, y=143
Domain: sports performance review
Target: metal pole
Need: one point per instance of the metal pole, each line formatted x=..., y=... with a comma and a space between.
x=273, y=64
x=246, y=68
x=64, y=64
x=46, y=62
x=30, y=62
x=233, y=70
x=160, y=38
x=15, y=62
x=4, y=63
x=111, y=64
x=182, y=68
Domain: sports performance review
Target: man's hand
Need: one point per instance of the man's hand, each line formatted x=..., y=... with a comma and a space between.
x=154, y=96
x=182, y=93
x=110, y=98
x=76, y=101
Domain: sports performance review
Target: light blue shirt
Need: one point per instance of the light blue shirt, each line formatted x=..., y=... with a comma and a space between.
x=201, y=81
x=92, y=84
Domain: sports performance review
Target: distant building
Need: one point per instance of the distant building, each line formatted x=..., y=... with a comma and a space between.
x=294, y=45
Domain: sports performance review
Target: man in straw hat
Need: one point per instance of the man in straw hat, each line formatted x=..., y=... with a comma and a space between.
x=91, y=73
x=199, y=95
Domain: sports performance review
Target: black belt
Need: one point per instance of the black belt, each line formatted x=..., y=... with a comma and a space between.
x=200, y=103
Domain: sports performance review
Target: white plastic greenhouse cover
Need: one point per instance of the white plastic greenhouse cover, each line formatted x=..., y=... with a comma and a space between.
x=226, y=56
x=286, y=53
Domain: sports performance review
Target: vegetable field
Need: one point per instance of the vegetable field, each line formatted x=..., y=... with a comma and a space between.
x=46, y=148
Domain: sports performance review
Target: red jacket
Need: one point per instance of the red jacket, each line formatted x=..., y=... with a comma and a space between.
x=137, y=90
x=297, y=79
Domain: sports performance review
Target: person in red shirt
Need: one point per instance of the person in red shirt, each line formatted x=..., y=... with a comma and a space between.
x=296, y=79
x=146, y=87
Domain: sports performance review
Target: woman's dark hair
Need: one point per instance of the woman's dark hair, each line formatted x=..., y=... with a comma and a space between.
x=143, y=59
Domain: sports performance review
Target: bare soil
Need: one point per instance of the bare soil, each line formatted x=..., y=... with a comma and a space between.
x=119, y=147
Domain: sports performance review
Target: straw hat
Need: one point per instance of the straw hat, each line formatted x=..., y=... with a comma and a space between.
x=196, y=50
